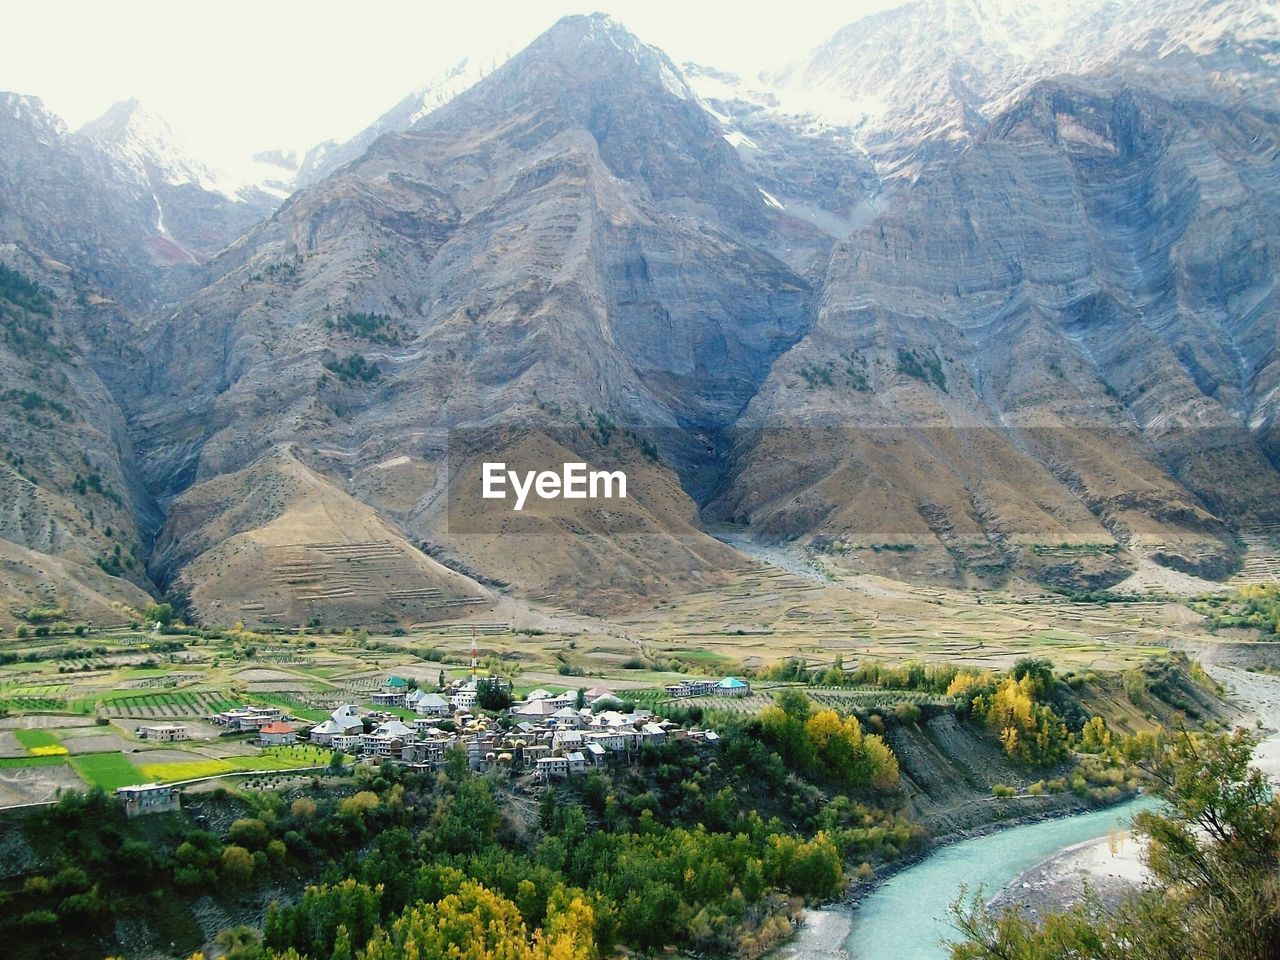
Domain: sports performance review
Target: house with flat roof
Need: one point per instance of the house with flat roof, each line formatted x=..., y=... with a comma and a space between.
x=391, y=693
x=465, y=697
x=164, y=732
x=691, y=688
x=149, y=798
x=548, y=768
x=242, y=719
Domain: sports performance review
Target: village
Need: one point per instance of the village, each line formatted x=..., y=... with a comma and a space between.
x=550, y=735
x=546, y=735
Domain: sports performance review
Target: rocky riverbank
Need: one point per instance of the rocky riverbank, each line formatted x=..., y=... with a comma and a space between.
x=1112, y=866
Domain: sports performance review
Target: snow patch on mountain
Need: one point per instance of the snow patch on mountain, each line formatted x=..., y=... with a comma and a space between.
x=143, y=146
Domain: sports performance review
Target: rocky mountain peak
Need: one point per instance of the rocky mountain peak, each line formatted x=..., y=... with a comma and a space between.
x=144, y=141
x=597, y=42
x=31, y=113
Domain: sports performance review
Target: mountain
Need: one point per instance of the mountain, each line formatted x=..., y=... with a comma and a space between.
x=54, y=197
x=324, y=158
x=1077, y=353
x=119, y=200
x=923, y=79
x=76, y=519
x=975, y=293
x=197, y=211
x=565, y=257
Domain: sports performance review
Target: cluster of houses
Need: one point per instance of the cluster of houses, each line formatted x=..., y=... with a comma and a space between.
x=728, y=687
x=548, y=734
x=269, y=723
x=399, y=692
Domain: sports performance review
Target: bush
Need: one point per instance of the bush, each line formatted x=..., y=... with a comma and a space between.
x=237, y=864
x=907, y=713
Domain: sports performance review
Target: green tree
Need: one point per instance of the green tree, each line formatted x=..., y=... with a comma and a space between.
x=1214, y=857
x=493, y=693
x=237, y=864
x=161, y=613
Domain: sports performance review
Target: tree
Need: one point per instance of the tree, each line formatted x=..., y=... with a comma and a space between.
x=493, y=693
x=325, y=916
x=477, y=924
x=250, y=833
x=237, y=864
x=1214, y=856
x=161, y=613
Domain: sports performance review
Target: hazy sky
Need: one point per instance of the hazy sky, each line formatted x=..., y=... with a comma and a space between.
x=235, y=77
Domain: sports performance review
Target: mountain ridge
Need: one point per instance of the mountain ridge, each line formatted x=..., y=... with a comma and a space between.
x=1015, y=353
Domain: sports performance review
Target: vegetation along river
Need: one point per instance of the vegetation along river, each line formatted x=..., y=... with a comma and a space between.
x=908, y=916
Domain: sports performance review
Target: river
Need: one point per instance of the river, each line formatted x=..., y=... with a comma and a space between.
x=908, y=916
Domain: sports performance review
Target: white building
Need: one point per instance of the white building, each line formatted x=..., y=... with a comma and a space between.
x=464, y=698
x=548, y=767
x=387, y=739
x=166, y=732
x=567, y=717
x=430, y=705
x=248, y=718
x=343, y=723
x=277, y=734
x=149, y=798
x=566, y=740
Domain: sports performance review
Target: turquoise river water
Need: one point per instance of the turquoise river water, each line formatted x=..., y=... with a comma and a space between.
x=908, y=918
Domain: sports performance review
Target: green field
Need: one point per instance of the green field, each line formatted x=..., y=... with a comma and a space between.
x=284, y=758
x=107, y=770
x=31, y=704
x=8, y=762
x=180, y=704
x=36, y=738
x=271, y=759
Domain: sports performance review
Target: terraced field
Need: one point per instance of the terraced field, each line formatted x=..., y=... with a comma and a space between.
x=175, y=705
x=106, y=770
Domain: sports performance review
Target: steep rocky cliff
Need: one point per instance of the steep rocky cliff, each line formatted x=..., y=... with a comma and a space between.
x=1061, y=340
x=974, y=292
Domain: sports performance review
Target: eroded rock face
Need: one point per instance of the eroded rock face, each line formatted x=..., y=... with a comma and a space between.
x=74, y=514
x=567, y=243
x=1078, y=311
x=1025, y=330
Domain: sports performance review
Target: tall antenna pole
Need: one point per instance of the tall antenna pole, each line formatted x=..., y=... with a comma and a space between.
x=475, y=654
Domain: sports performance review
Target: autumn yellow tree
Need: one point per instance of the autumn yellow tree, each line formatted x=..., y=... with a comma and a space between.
x=477, y=924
